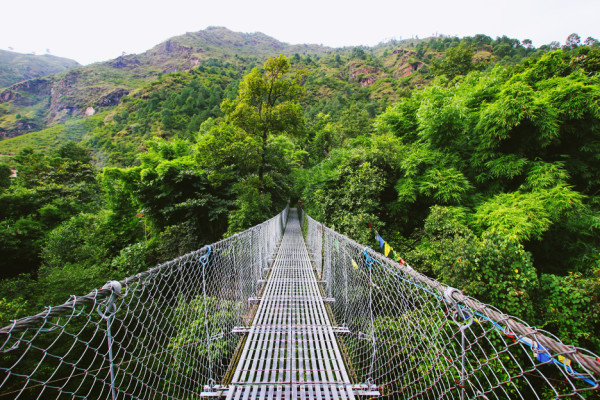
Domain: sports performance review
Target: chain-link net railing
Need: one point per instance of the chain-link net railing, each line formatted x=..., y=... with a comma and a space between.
x=412, y=337
x=162, y=334
x=172, y=332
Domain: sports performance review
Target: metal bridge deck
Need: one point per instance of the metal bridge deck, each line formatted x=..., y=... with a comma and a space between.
x=291, y=351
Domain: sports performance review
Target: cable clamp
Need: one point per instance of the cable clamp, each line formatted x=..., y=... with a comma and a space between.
x=461, y=316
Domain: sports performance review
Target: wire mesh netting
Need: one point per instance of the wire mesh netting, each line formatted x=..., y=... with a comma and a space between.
x=164, y=333
x=174, y=331
x=415, y=338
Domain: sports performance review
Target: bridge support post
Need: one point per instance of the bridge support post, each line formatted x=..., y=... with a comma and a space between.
x=464, y=320
x=108, y=315
x=204, y=261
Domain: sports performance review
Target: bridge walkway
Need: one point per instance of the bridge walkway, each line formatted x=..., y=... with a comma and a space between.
x=291, y=351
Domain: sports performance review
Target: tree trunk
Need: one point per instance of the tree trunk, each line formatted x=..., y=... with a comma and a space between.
x=261, y=168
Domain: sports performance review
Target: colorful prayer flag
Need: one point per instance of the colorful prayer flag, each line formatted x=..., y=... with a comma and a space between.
x=542, y=354
x=354, y=264
x=387, y=249
x=381, y=241
x=564, y=360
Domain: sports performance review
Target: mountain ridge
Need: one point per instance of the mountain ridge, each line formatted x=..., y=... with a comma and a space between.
x=384, y=72
x=17, y=67
x=32, y=105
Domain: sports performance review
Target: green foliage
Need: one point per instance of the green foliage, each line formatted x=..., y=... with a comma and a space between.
x=74, y=152
x=80, y=242
x=173, y=189
x=267, y=104
x=510, y=150
x=448, y=186
x=566, y=299
x=5, y=173
x=204, y=317
x=401, y=118
x=225, y=150
x=56, y=285
x=344, y=192
x=252, y=206
x=15, y=308
x=490, y=267
x=487, y=181
x=354, y=122
x=13, y=301
x=518, y=216
x=50, y=139
x=457, y=61
x=118, y=187
x=131, y=260
x=47, y=191
x=17, y=67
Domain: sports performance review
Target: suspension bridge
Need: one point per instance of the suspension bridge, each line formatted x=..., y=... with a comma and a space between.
x=289, y=309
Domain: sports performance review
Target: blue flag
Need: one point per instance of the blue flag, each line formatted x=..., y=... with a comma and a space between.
x=542, y=354
x=381, y=241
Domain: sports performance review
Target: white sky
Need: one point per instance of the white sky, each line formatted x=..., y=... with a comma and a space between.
x=90, y=31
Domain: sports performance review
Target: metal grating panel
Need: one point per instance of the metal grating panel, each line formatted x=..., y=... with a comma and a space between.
x=291, y=350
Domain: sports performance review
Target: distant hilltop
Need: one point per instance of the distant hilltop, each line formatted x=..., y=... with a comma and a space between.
x=16, y=67
x=33, y=98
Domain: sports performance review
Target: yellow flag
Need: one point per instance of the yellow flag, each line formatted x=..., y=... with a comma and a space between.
x=354, y=264
x=564, y=360
x=386, y=249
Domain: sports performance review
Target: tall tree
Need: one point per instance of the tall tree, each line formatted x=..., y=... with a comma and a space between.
x=5, y=173
x=573, y=41
x=528, y=44
x=457, y=61
x=268, y=104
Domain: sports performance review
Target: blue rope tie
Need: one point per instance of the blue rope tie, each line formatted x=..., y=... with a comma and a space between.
x=368, y=259
x=206, y=257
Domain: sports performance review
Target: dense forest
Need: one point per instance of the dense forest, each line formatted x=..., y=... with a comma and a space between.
x=480, y=166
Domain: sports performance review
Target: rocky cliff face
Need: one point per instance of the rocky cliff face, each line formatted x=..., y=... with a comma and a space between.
x=45, y=101
x=130, y=62
x=405, y=63
x=21, y=93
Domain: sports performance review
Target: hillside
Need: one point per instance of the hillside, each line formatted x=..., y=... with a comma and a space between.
x=367, y=79
x=39, y=103
x=17, y=67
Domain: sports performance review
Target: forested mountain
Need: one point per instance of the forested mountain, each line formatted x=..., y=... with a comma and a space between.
x=381, y=73
x=475, y=158
x=17, y=67
x=43, y=102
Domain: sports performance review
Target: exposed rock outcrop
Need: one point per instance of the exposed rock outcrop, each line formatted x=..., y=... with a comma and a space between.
x=130, y=62
x=38, y=87
x=364, y=76
x=113, y=98
x=171, y=48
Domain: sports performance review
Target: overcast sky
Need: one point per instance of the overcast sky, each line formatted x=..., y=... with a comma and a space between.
x=90, y=31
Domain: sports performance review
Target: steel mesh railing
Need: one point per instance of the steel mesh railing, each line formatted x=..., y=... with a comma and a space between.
x=173, y=332
x=164, y=333
x=415, y=338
